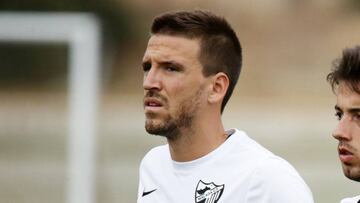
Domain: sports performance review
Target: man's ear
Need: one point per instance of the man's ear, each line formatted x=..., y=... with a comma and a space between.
x=219, y=86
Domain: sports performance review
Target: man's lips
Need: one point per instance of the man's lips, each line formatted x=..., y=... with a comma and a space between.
x=151, y=103
x=345, y=154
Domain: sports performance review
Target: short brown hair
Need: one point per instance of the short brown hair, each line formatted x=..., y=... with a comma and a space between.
x=220, y=48
x=347, y=69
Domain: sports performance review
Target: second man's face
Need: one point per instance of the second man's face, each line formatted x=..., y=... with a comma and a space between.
x=173, y=84
x=347, y=131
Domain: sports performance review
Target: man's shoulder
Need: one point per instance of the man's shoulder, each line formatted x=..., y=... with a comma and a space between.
x=244, y=145
x=266, y=163
x=351, y=200
x=158, y=149
x=272, y=165
x=271, y=177
x=156, y=154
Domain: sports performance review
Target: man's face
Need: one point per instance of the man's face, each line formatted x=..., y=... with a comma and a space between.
x=173, y=84
x=348, y=130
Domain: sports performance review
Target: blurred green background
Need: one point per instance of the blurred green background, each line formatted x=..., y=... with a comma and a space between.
x=282, y=99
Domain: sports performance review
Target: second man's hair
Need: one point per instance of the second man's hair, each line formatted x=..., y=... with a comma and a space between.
x=347, y=69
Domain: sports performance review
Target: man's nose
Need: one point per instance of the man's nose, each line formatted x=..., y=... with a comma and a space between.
x=343, y=129
x=152, y=79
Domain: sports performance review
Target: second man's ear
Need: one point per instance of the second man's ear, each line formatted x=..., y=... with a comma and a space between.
x=219, y=86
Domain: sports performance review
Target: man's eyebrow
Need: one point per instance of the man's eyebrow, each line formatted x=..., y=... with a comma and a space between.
x=350, y=110
x=337, y=108
x=172, y=62
x=145, y=61
x=354, y=110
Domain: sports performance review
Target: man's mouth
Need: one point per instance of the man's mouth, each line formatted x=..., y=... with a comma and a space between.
x=345, y=155
x=152, y=103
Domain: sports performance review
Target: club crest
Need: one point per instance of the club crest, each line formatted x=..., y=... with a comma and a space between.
x=208, y=192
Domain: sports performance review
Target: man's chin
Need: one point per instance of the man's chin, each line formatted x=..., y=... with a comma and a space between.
x=161, y=129
x=157, y=131
x=354, y=178
x=352, y=173
x=154, y=127
x=153, y=131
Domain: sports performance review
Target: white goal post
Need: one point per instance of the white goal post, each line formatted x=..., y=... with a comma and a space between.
x=81, y=31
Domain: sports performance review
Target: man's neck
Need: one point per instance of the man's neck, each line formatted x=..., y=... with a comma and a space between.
x=197, y=141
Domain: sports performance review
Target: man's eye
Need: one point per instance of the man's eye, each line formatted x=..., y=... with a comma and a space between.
x=338, y=115
x=171, y=68
x=146, y=67
x=357, y=117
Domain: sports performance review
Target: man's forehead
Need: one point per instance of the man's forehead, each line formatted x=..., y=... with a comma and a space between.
x=347, y=97
x=346, y=89
x=176, y=43
x=158, y=38
x=167, y=47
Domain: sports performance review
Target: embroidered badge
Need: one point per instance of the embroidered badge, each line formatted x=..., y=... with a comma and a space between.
x=208, y=192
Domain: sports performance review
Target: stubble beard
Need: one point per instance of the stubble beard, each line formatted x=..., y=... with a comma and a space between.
x=172, y=126
x=351, y=170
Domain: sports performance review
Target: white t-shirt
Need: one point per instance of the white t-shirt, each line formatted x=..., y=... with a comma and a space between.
x=351, y=200
x=238, y=171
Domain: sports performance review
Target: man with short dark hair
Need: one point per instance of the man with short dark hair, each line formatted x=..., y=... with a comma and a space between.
x=191, y=65
x=345, y=82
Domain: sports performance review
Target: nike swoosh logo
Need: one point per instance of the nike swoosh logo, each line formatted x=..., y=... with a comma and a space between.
x=148, y=192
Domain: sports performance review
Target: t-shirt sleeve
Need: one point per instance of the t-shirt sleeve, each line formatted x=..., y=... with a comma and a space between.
x=351, y=200
x=276, y=181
